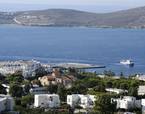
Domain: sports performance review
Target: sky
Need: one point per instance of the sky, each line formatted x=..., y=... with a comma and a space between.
x=86, y=5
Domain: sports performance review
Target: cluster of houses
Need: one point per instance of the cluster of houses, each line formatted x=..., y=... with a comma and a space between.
x=74, y=100
x=46, y=100
x=27, y=68
x=87, y=101
x=57, y=78
x=43, y=99
x=53, y=101
x=127, y=102
x=50, y=101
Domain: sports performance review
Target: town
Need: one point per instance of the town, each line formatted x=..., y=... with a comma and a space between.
x=32, y=87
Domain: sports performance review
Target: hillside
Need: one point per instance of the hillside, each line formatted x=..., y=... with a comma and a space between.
x=134, y=18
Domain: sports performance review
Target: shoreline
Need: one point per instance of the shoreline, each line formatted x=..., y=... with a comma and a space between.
x=93, y=66
x=55, y=26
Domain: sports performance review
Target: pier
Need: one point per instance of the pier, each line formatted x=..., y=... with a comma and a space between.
x=77, y=66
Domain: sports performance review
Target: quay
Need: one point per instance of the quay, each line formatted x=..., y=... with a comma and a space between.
x=77, y=66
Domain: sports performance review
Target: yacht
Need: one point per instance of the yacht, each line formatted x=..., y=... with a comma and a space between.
x=127, y=62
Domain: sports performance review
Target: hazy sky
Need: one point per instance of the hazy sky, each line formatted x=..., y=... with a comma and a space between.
x=77, y=2
x=89, y=5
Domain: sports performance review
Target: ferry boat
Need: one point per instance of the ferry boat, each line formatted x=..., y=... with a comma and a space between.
x=127, y=62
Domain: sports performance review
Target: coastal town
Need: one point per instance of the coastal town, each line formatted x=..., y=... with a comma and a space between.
x=30, y=86
x=72, y=57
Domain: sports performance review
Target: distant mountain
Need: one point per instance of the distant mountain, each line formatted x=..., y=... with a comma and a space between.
x=133, y=18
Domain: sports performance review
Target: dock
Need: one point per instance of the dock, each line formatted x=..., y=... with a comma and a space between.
x=77, y=66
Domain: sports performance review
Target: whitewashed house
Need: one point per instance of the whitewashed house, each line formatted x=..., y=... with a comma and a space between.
x=47, y=100
x=141, y=90
x=85, y=101
x=101, y=76
x=140, y=77
x=6, y=103
x=143, y=106
x=127, y=102
x=115, y=90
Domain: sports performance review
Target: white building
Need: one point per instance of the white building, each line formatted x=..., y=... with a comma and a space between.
x=127, y=102
x=6, y=103
x=30, y=67
x=141, y=90
x=27, y=67
x=140, y=77
x=115, y=90
x=85, y=101
x=47, y=100
x=101, y=76
x=143, y=106
x=10, y=67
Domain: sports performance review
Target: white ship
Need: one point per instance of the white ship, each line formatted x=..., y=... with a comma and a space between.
x=127, y=62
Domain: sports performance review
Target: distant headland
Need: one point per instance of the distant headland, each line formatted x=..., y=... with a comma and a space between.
x=132, y=18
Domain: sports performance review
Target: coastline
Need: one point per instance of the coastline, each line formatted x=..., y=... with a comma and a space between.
x=55, y=26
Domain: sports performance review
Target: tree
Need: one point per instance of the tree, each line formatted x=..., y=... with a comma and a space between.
x=27, y=100
x=134, y=83
x=2, y=77
x=72, y=71
x=100, y=88
x=61, y=91
x=78, y=88
x=124, y=86
x=15, y=78
x=90, y=83
x=52, y=88
x=109, y=84
x=121, y=74
x=2, y=89
x=116, y=84
x=132, y=91
x=103, y=103
x=16, y=90
x=40, y=72
x=27, y=88
x=109, y=73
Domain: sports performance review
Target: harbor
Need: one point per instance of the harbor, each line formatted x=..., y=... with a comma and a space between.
x=77, y=66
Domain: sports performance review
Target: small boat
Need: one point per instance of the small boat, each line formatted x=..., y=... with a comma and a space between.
x=127, y=62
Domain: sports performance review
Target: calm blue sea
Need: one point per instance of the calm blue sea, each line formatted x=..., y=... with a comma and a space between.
x=86, y=45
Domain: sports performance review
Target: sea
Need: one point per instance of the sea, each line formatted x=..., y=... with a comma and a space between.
x=97, y=46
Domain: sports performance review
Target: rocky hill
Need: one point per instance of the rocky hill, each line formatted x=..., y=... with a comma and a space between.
x=133, y=18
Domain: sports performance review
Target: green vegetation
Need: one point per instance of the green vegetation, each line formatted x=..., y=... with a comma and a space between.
x=16, y=77
x=16, y=90
x=87, y=83
x=2, y=89
x=27, y=100
x=103, y=104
